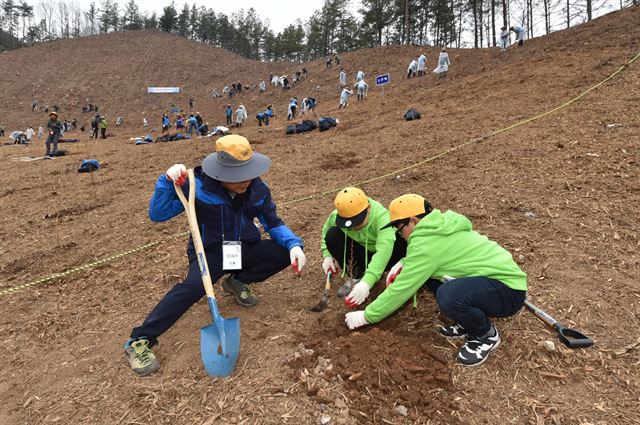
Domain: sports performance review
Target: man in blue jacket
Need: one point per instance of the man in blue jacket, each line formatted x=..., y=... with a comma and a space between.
x=229, y=196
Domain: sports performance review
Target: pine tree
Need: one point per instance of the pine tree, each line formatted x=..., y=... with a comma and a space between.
x=376, y=15
x=182, y=27
x=131, y=17
x=168, y=21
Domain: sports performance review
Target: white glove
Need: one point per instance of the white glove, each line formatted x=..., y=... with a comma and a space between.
x=394, y=272
x=358, y=294
x=178, y=174
x=355, y=319
x=298, y=259
x=329, y=264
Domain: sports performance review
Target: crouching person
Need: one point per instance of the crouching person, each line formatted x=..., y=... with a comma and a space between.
x=352, y=240
x=472, y=277
x=229, y=195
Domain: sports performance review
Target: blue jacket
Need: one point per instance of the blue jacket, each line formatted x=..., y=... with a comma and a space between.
x=220, y=216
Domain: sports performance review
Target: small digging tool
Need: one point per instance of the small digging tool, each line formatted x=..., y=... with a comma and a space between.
x=569, y=337
x=324, y=303
x=219, y=342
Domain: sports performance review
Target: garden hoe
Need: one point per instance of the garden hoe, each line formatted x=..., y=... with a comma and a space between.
x=219, y=342
x=324, y=303
x=569, y=337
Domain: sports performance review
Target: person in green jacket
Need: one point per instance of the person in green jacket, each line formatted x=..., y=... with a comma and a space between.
x=103, y=124
x=352, y=239
x=471, y=276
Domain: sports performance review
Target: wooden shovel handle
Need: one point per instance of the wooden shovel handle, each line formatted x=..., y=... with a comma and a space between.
x=190, y=209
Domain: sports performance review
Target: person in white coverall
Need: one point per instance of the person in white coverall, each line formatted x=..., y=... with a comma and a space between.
x=344, y=97
x=343, y=78
x=520, y=34
x=422, y=63
x=362, y=89
x=413, y=67
x=443, y=64
x=241, y=115
x=504, y=39
x=359, y=76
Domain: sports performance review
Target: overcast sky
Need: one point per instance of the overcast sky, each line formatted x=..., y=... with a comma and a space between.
x=280, y=13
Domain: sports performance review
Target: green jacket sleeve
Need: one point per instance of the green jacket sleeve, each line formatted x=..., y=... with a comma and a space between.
x=384, y=247
x=328, y=224
x=418, y=267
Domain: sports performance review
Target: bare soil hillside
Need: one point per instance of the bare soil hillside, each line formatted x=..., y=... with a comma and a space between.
x=560, y=192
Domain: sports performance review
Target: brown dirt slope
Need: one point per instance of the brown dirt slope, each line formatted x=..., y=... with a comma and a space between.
x=560, y=192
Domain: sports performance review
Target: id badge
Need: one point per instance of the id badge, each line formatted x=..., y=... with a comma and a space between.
x=231, y=255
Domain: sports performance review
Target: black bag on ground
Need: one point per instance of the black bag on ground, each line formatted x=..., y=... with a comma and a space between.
x=326, y=123
x=412, y=114
x=303, y=127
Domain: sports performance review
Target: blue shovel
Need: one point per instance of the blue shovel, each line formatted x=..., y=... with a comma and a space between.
x=219, y=342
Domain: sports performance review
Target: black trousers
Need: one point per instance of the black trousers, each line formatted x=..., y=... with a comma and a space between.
x=259, y=260
x=470, y=301
x=356, y=260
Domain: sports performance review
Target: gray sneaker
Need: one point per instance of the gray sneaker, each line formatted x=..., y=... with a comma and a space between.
x=241, y=291
x=140, y=357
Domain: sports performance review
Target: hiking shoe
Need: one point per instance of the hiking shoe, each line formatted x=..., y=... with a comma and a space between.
x=140, y=357
x=476, y=350
x=453, y=331
x=241, y=291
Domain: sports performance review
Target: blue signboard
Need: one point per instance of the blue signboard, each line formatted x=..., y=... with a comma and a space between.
x=383, y=79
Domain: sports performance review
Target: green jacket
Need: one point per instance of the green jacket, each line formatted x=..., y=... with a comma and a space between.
x=377, y=242
x=445, y=244
x=103, y=124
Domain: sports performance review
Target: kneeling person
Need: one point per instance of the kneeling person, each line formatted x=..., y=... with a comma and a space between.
x=352, y=238
x=481, y=279
x=229, y=195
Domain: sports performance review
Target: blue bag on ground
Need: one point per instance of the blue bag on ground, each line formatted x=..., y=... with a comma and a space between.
x=89, y=165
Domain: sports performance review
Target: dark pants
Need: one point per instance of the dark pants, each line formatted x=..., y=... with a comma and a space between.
x=262, y=118
x=355, y=253
x=260, y=261
x=469, y=300
x=52, y=139
x=94, y=132
x=229, y=120
x=103, y=132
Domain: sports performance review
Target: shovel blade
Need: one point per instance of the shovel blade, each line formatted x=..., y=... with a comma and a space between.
x=220, y=343
x=324, y=303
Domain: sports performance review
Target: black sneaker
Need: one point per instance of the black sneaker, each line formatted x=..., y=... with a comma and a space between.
x=453, y=331
x=241, y=291
x=476, y=350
